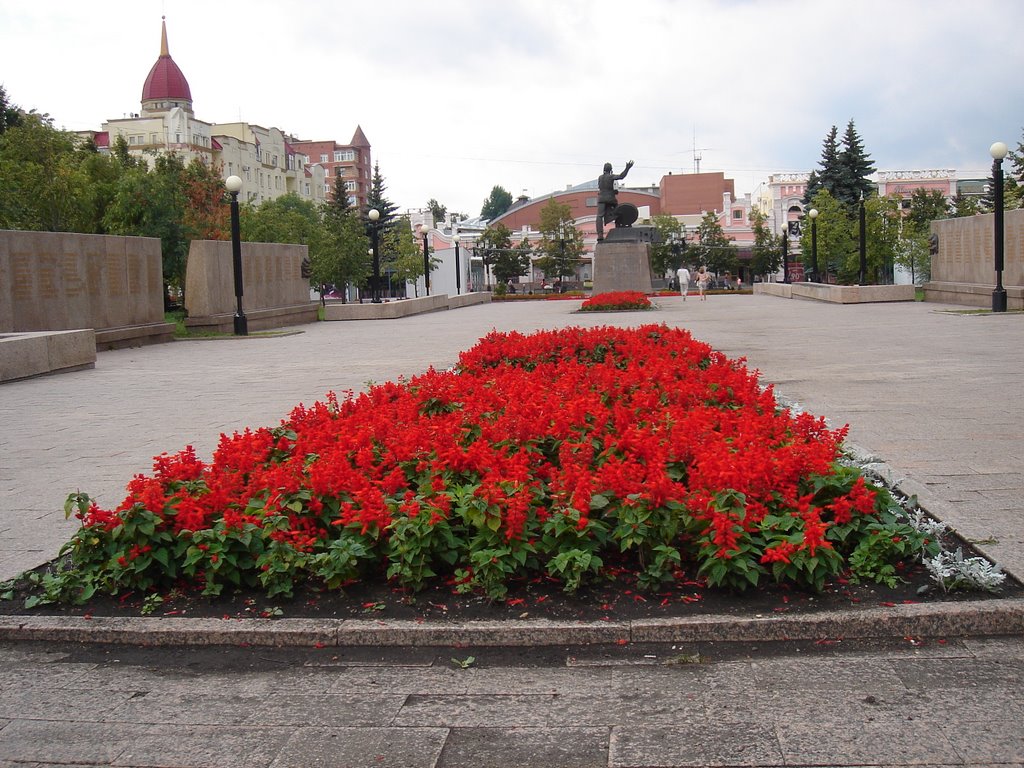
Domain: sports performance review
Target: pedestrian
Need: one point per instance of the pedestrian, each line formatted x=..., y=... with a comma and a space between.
x=684, y=281
x=703, y=278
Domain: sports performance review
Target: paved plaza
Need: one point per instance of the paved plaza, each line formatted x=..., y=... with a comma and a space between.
x=934, y=393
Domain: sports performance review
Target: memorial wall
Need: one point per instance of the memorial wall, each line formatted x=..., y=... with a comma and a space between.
x=55, y=281
x=963, y=260
x=275, y=292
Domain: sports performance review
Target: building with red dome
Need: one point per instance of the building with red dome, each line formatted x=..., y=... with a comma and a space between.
x=270, y=162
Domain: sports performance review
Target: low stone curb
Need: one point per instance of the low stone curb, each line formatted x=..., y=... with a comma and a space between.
x=951, y=619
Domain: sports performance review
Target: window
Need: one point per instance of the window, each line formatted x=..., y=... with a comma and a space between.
x=345, y=156
x=323, y=158
x=738, y=214
x=337, y=156
x=351, y=186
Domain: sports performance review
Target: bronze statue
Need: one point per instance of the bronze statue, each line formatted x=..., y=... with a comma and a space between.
x=607, y=198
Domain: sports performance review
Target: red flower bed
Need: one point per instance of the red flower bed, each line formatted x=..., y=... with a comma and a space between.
x=540, y=453
x=616, y=300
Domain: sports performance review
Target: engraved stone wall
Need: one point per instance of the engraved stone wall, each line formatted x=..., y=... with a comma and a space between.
x=52, y=281
x=963, y=269
x=274, y=292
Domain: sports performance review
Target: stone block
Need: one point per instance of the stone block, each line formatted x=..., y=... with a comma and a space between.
x=24, y=355
x=271, y=281
x=57, y=281
x=622, y=267
x=963, y=268
x=390, y=310
x=838, y=294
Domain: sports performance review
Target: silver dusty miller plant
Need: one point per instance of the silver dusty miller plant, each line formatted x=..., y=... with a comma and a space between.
x=949, y=569
x=954, y=571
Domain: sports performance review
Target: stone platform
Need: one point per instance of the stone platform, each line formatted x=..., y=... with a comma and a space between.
x=391, y=310
x=622, y=266
x=838, y=294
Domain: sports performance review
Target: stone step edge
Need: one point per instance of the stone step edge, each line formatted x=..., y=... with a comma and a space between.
x=946, y=619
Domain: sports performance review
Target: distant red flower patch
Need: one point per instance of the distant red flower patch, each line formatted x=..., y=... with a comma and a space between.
x=616, y=300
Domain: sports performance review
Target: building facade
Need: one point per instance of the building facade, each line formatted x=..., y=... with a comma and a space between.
x=269, y=161
x=350, y=162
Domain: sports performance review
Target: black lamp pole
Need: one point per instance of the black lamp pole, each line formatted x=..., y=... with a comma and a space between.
x=374, y=216
x=863, y=243
x=814, y=243
x=785, y=252
x=426, y=258
x=998, y=152
x=234, y=186
x=458, y=269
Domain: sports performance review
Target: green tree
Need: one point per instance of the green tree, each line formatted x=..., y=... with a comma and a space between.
x=437, y=211
x=837, y=238
x=1016, y=158
x=506, y=263
x=965, y=206
x=831, y=176
x=10, y=114
x=339, y=196
x=854, y=168
x=713, y=248
x=913, y=253
x=285, y=219
x=100, y=175
x=405, y=256
x=843, y=168
x=376, y=198
x=561, y=244
x=926, y=206
x=152, y=203
x=883, y=219
x=42, y=187
x=667, y=255
x=766, y=256
x=499, y=201
x=342, y=257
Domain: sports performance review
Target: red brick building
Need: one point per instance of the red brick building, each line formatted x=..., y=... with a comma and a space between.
x=351, y=162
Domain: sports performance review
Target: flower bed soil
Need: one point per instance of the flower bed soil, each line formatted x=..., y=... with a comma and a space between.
x=611, y=599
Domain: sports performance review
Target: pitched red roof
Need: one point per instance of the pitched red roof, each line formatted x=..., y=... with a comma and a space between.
x=359, y=138
x=165, y=80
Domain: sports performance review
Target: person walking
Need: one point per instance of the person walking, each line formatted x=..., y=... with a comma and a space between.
x=684, y=281
x=703, y=278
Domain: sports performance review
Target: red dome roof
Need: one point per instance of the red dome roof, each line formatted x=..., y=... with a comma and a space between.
x=165, y=80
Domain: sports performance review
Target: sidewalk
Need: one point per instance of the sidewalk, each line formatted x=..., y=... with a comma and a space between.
x=937, y=396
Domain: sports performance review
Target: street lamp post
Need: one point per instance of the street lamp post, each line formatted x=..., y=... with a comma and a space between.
x=374, y=216
x=998, y=152
x=425, y=232
x=813, y=213
x=234, y=186
x=785, y=252
x=458, y=269
x=863, y=243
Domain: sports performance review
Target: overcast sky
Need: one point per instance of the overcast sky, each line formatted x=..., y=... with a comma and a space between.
x=456, y=96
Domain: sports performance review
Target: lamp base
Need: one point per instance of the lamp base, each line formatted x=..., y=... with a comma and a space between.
x=241, y=325
x=999, y=300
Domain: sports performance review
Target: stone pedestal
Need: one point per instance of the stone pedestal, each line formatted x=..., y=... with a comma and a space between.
x=622, y=266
